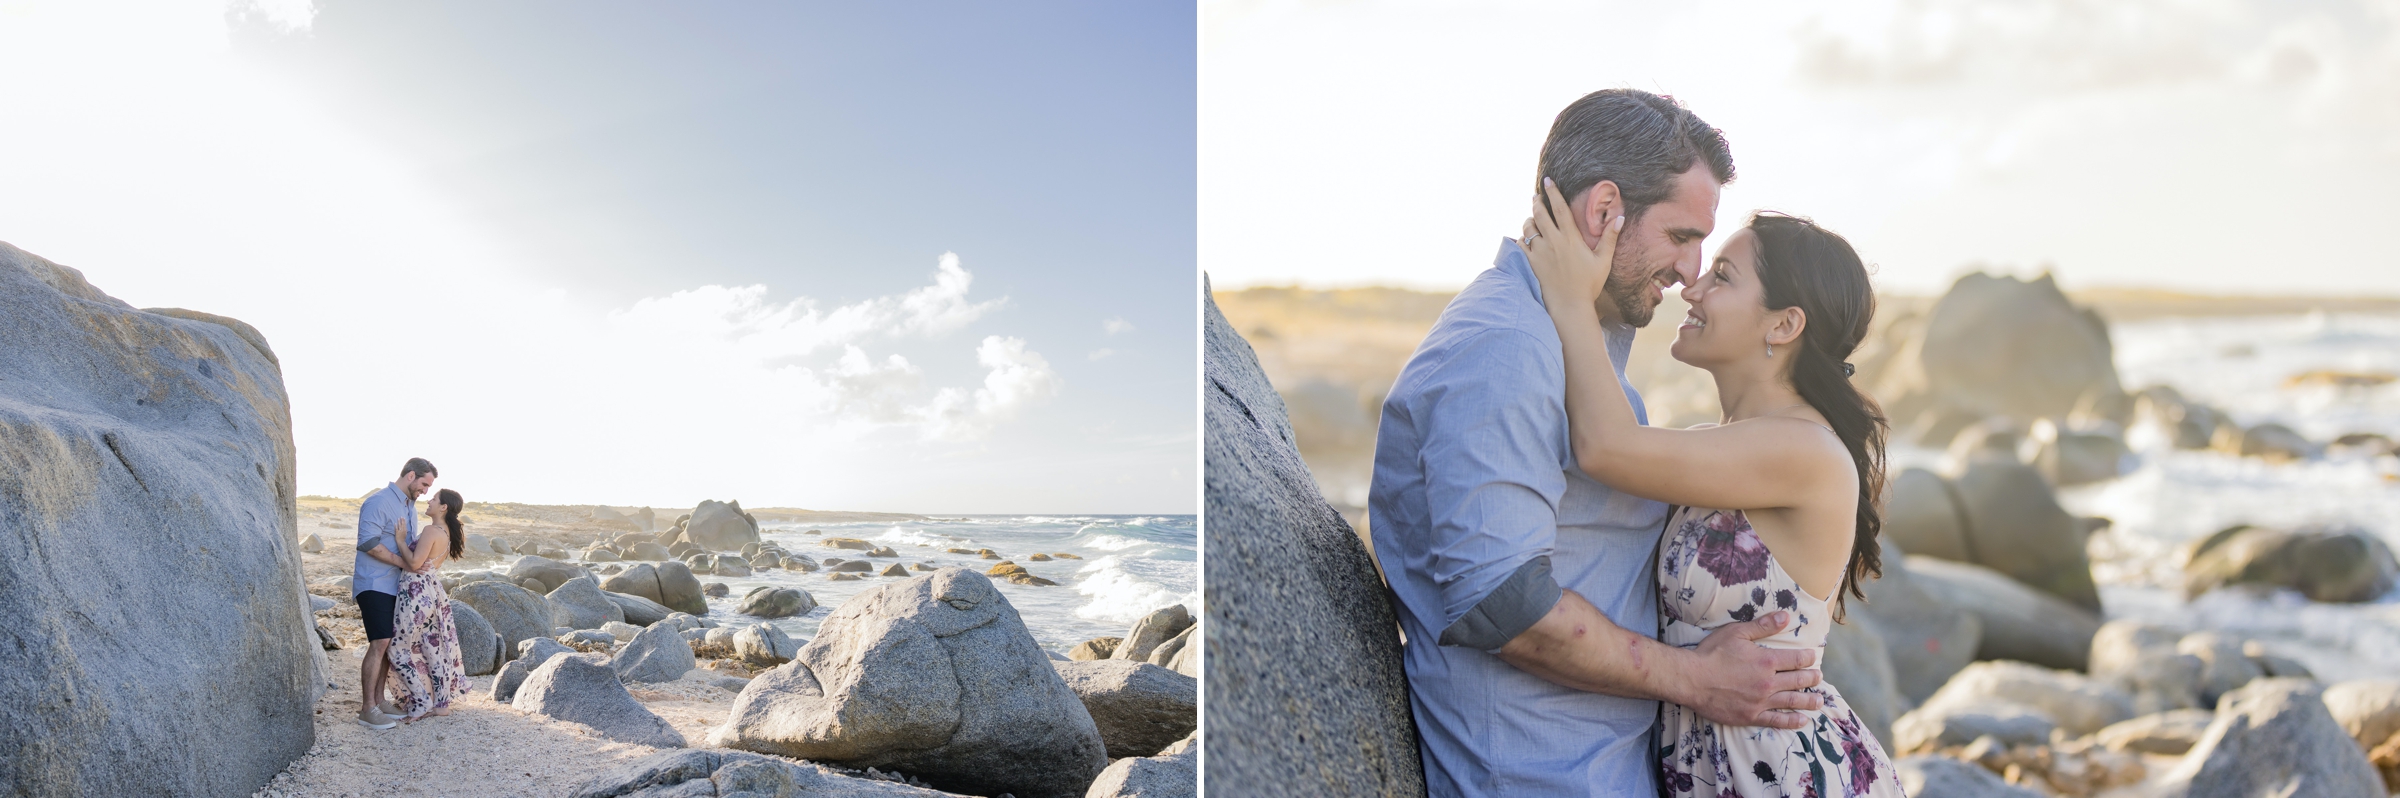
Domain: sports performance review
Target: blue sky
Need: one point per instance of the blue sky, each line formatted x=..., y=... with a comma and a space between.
x=836, y=256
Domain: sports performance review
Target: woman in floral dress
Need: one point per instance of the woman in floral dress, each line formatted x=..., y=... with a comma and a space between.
x=424, y=651
x=1775, y=504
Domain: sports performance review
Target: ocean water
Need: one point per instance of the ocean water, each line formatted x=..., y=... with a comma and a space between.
x=1131, y=566
x=2240, y=365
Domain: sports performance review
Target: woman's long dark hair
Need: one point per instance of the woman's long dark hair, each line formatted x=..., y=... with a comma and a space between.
x=1814, y=268
x=458, y=536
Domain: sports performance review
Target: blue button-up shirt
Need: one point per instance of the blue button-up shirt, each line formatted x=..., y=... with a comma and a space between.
x=1475, y=478
x=376, y=517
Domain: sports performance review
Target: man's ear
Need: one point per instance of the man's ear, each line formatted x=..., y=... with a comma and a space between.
x=1602, y=202
x=1789, y=324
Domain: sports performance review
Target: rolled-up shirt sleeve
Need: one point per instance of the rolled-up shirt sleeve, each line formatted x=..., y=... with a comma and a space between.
x=1492, y=416
x=374, y=516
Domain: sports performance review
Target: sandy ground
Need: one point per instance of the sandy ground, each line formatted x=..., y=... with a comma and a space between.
x=482, y=748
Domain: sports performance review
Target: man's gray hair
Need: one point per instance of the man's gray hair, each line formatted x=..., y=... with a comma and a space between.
x=1637, y=139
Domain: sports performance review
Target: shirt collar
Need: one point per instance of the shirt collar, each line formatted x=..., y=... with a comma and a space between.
x=1512, y=261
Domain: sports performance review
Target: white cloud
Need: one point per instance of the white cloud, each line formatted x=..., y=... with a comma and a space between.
x=1019, y=378
x=770, y=331
x=288, y=16
x=1116, y=324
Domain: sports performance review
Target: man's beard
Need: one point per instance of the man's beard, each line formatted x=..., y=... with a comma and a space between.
x=1631, y=294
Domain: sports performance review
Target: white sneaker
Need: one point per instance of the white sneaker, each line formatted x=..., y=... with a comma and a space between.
x=377, y=720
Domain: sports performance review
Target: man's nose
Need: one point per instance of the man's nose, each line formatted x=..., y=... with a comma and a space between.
x=1689, y=269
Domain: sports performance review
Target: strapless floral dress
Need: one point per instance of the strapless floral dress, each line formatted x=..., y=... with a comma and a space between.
x=424, y=651
x=1713, y=570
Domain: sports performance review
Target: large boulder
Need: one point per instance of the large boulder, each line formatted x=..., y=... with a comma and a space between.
x=705, y=772
x=2076, y=703
x=576, y=690
x=1927, y=639
x=2333, y=564
x=2369, y=709
x=2141, y=659
x=2019, y=529
x=1858, y=666
x=1921, y=514
x=764, y=646
x=1153, y=629
x=1303, y=646
x=579, y=603
x=136, y=445
x=514, y=612
x=2172, y=732
x=1943, y=777
x=1095, y=648
x=2273, y=737
x=1140, y=708
x=1173, y=773
x=2018, y=622
x=721, y=526
x=669, y=583
x=935, y=676
x=657, y=654
x=551, y=573
x=2001, y=346
x=638, y=611
x=478, y=644
x=768, y=601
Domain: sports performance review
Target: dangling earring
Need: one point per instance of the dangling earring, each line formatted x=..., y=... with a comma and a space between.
x=1770, y=349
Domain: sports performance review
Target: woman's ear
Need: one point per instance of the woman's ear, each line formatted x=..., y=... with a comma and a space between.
x=1787, y=325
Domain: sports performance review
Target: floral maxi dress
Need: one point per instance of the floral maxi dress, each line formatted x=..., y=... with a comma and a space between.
x=424, y=649
x=1714, y=571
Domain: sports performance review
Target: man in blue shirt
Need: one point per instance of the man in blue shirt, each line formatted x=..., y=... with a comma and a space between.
x=387, y=525
x=1525, y=589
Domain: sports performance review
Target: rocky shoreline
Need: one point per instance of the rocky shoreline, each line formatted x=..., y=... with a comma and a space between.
x=602, y=656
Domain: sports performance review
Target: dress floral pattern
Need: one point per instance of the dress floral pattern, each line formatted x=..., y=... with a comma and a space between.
x=1713, y=571
x=424, y=649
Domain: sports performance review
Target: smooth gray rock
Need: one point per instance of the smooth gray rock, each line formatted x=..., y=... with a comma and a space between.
x=658, y=654
x=514, y=612
x=2172, y=733
x=2273, y=737
x=851, y=566
x=679, y=590
x=531, y=655
x=649, y=550
x=729, y=565
x=1857, y=665
x=551, y=573
x=2016, y=527
x=1303, y=647
x=1140, y=708
x=2223, y=666
x=1173, y=773
x=2002, y=346
x=1152, y=631
x=620, y=631
x=707, y=772
x=312, y=544
x=1950, y=724
x=1164, y=655
x=765, y=646
x=575, y=690
x=2018, y=622
x=639, y=580
x=721, y=526
x=935, y=676
x=590, y=639
x=579, y=603
x=2077, y=703
x=2324, y=563
x=541, y=649
x=639, y=611
x=2367, y=709
x=318, y=603
x=478, y=645
x=136, y=447
x=670, y=584
x=767, y=601
x=1943, y=777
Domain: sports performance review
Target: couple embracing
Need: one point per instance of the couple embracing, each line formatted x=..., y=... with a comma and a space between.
x=412, y=643
x=1595, y=606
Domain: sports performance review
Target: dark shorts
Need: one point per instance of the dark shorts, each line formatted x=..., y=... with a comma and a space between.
x=375, y=608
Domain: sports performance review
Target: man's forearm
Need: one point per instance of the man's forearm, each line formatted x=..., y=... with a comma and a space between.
x=1576, y=645
x=385, y=556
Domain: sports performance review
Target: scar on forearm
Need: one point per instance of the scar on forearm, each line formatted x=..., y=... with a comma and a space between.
x=1633, y=649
